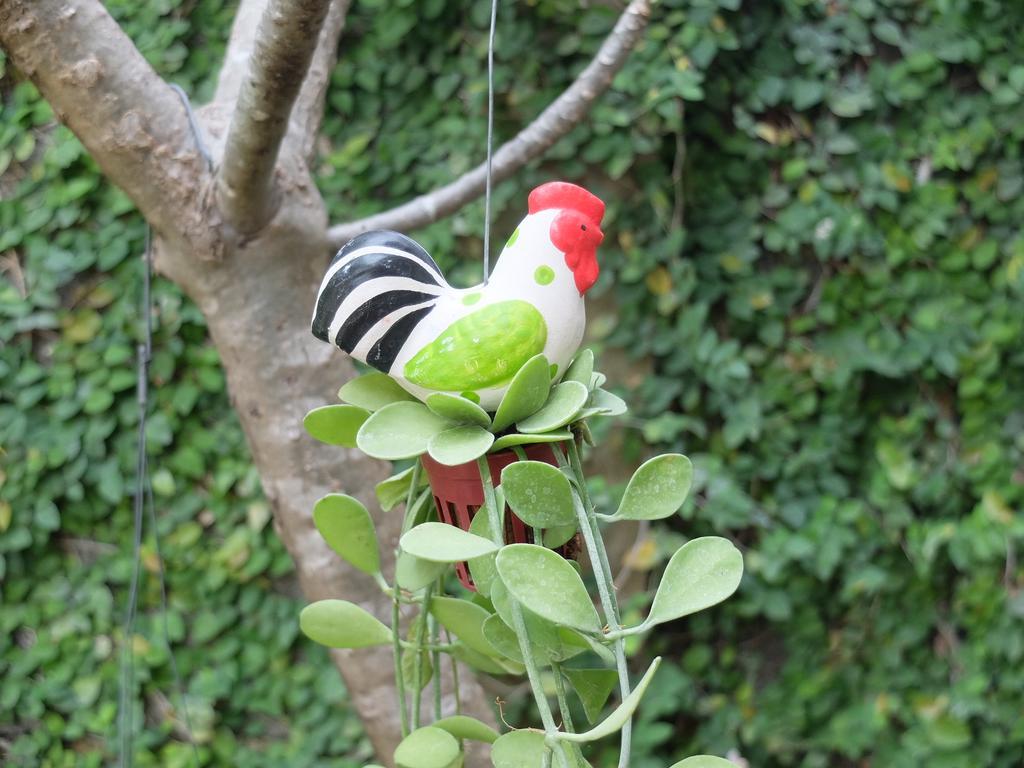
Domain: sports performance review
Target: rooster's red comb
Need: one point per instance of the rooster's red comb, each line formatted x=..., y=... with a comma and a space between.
x=566, y=196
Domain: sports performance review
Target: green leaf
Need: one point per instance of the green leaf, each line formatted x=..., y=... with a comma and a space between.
x=373, y=391
x=558, y=535
x=502, y=637
x=581, y=369
x=558, y=643
x=704, y=761
x=700, y=574
x=483, y=569
x=414, y=574
x=443, y=543
x=335, y=424
x=622, y=713
x=489, y=664
x=657, y=489
x=603, y=403
x=547, y=585
x=525, y=395
x=459, y=445
x=593, y=686
x=518, y=749
x=428, y=748
x=341, y=624
x=457, y=409
x=464, y=620
x=348, y=529
x=564, y=404
x=538, y=493
x=399, y=431
x=465, y=727
x=395, y=490
x=507, y=441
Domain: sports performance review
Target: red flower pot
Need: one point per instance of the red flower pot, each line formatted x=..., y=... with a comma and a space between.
x=458, y=494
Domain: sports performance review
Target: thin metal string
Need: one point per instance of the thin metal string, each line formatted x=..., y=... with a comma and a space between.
x=143, y=501
x=490, y=143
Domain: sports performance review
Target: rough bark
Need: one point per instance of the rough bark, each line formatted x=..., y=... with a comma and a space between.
x=552, y=124
x=132, y=123
x=282, y=52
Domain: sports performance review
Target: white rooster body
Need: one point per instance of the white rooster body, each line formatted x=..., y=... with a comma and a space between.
x=386, y=303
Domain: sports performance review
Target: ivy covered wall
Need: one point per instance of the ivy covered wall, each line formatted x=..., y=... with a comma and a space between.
x=813, y=239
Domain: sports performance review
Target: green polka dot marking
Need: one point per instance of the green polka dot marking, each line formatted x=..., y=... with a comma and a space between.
x=544, y=275
x=512, y=238
x=473, y=397
x=472, y=298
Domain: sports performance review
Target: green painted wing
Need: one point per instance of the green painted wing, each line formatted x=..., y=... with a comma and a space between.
x=481, y=350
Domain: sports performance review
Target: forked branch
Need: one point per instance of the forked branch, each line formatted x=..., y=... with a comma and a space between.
x=281, y=54
x=102, y=88
x=552, y=124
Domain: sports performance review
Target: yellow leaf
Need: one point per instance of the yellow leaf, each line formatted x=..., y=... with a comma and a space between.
x=987, y=179
x=762, y=300
x=659, y=282
x=896, y=178
x=642, y=556
x=81, y=326
x=5, y=516
x=730, y=262
x=768, y=132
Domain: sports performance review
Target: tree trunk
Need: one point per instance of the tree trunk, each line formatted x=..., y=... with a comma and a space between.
x=257, y=301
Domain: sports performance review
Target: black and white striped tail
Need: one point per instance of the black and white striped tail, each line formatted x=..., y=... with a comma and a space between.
x=376, y=291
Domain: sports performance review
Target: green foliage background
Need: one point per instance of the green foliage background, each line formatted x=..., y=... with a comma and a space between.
x=813, y=232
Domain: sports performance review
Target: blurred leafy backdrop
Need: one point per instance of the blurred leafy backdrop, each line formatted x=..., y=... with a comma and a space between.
x=815, y=255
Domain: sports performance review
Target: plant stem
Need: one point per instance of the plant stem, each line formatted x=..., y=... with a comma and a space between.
x=563, y=708
x=519, y=623
x=455, y=676
x=396, y=600
x=435, y=658
x=396, y=641
x=417, y=662
x=605, y=585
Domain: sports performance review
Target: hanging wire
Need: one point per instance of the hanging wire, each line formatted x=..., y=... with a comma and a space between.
x=143, y=502
x=490, y=143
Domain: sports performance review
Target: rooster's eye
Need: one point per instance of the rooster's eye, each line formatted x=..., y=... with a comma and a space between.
x=583, y=227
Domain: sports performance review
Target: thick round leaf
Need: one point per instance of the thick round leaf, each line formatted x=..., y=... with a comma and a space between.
x=562, y=406
x=482, y=568
x=547, y=585
x=582, y=368
x=373, y=391
x=465, y=620
x=399, y=431
x=335, y=424
x=502, y=638
x=428, y=748
x=593, y=687
x=459, y=445
x=395, y=490
x=701, y=573
x=559, y=535
x=657, y=489
x=507, y=441
x=348, y=530
x=414, y=574
x=525, y=395
x=341, y=624
x=704, y=761
x=443, y=543
x=604, y=403
x=518, y=749
x=464, y=727
x=457, y=409
x=622, y=713
x=538, y=493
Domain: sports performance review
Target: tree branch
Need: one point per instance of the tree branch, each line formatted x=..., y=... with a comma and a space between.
x=309, y=107
x=551, y=125
x=101, y=87
x=281, y=55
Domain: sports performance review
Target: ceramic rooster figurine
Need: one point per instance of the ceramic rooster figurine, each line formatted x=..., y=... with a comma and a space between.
x=386, y=303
